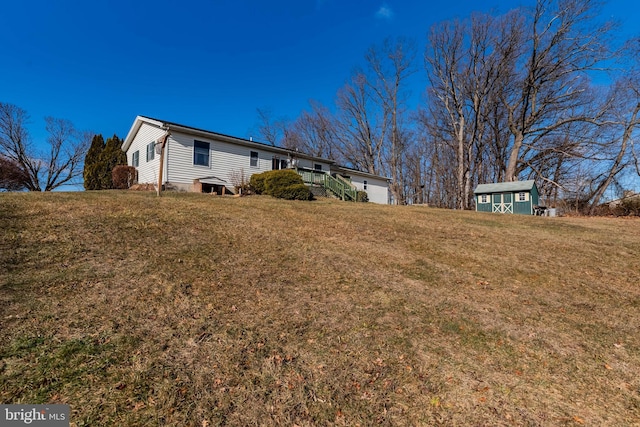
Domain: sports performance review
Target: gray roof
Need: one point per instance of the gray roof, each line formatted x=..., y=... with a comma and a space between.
x=504, y=186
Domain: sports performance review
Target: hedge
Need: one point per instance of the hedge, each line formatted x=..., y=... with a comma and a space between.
x=283, y=184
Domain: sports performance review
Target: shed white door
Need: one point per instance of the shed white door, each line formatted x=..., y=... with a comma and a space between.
x=502, y=203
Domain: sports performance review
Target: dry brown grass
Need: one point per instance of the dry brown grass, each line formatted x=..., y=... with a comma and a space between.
x=193, y=310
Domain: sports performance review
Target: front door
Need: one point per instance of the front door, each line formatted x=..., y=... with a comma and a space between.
x=502, y=203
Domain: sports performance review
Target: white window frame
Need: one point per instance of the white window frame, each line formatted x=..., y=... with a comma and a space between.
x=523, y=196
x=208, y=144
x=484, y=198
x=151, y=151
x=253, y=159
x=135, y=159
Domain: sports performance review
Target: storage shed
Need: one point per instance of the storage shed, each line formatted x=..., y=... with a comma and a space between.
x=519, y=197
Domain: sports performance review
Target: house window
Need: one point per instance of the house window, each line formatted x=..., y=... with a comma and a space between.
x=135, y=159
x=254, y=159
x=200, y=153
x=364, y=183
x=150, y=151
x=484, y=198
x=284, y=163
x=522, y=196
x=317, y=166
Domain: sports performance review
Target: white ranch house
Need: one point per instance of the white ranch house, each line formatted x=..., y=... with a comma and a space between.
x=201, y=160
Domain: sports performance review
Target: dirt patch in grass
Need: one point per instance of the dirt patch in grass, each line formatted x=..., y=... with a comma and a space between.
x=192, y=310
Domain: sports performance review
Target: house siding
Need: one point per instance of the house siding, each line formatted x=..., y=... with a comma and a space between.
x=229, y=159
x=147, y=170
x=226, y=160
x=309, y=164
x=377, y=189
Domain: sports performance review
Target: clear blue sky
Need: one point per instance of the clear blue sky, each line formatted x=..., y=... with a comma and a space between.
x=209, y=63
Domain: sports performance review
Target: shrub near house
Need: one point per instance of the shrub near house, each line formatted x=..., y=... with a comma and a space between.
x=123, y=177
x=283, y=184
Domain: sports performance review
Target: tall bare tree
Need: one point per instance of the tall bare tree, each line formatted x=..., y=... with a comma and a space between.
x=392, y=63
x=510, y=96
x=62, y=164
x=16, y=145
x=616, y=142
x=466, y=63
x=361, y=125
x=562, y=44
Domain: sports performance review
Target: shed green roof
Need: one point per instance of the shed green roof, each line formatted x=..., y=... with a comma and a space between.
x=501, y=187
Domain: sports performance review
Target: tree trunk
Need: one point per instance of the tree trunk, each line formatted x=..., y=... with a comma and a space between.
x=511, y=172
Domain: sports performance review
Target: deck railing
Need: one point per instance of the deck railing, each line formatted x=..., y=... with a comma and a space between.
x=339, y=187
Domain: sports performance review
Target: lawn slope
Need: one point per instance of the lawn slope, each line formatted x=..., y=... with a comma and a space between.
x=193, y=310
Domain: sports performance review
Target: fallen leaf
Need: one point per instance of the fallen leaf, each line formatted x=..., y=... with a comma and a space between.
x=578, y=420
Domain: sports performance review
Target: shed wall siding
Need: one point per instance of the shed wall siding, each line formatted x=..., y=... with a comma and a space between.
x=522, y=208
x=483, y=207
x=147, y=171
x=535, y=198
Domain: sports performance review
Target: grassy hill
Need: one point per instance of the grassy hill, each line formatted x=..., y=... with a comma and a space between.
x=193, y=310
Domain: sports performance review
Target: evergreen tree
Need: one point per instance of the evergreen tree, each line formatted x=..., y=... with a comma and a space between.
x=92, y=165
x=111, y=156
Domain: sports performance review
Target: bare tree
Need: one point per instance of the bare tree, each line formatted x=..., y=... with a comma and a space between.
x=62, y=164
x=314, y=132
x=562, y=45
x=617, y=148
x=267, y=127
x=272, y=130
x=16, y=145
x=445, y=72
x=361, y=126
x=510, y=96
x=67, y=148
x=465, y=62
x=392, y=64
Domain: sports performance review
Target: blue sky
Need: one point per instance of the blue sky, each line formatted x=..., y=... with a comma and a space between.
x=207, y=64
